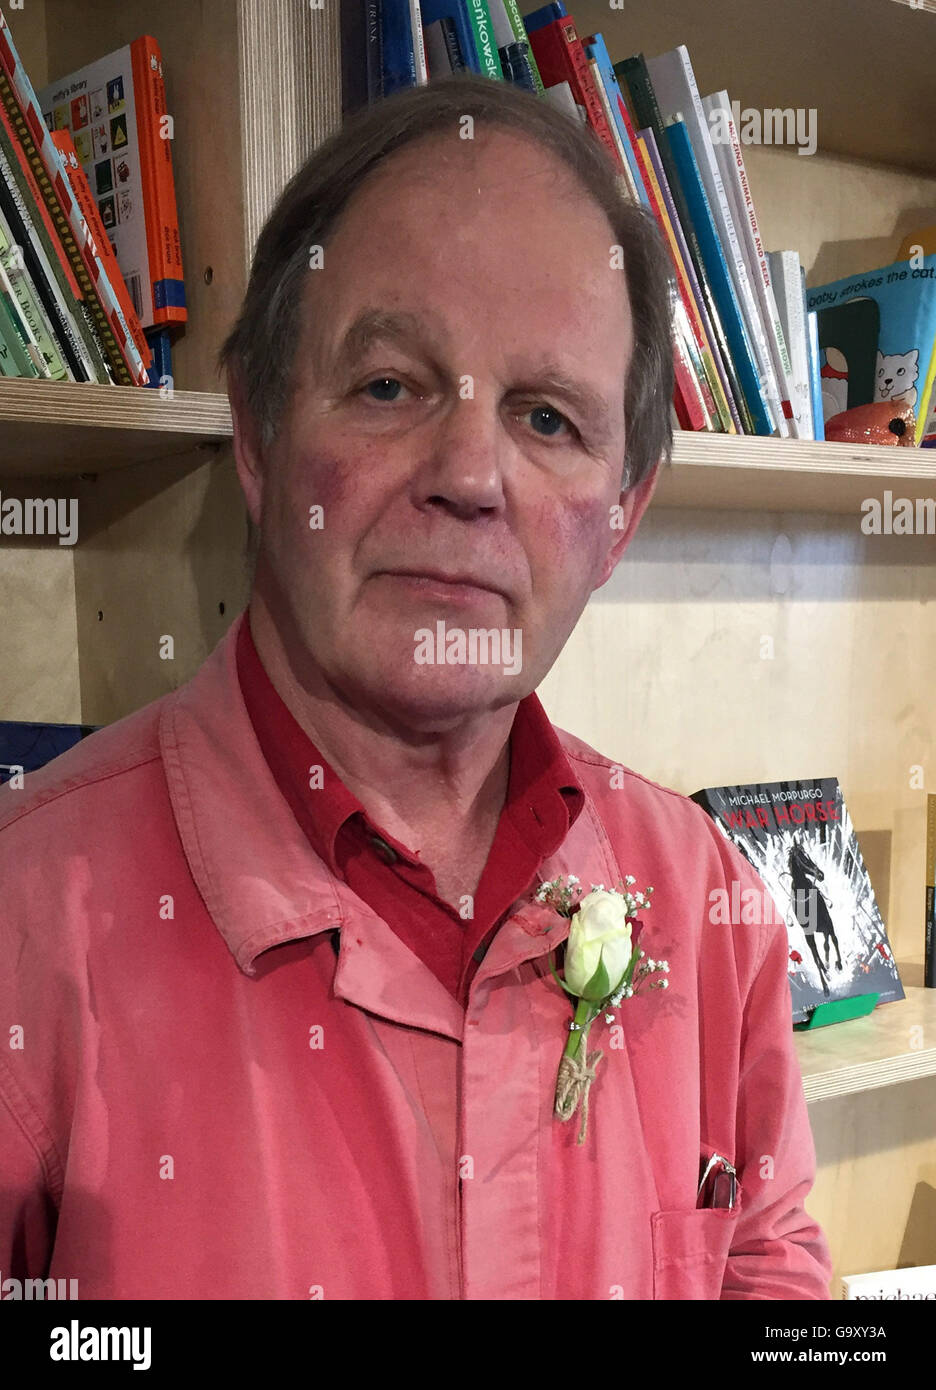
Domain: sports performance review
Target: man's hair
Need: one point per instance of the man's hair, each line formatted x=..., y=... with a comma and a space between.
x=260, y=349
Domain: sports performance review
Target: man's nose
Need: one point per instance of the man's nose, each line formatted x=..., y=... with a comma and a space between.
x=462, y=457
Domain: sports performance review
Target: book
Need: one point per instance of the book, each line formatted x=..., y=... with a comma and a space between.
x=560, y=57
x=25, y=119
x=678, y=96
x=25, y=747
x=89, y=210
x=916, y=1282
x=815, y=376
x=36, y=333
x=710, y=379
x=716, y=266
x=877, y=333
x=730, y=160
x=361, y=54
x=454, y=15
x=637, y=90
x=929, y=931
x=115, y=111
x=44, y=256
x=520, y=35
x=787, y=280
x=15, y=355
x=799, y=838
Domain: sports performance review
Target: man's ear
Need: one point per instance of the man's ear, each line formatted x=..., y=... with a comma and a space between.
x=248, y=455
x=632, y=503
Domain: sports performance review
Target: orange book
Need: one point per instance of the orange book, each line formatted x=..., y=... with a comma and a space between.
x=115, y=110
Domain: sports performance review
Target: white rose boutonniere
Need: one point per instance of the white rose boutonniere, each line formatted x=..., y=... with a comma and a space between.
x=601, y=968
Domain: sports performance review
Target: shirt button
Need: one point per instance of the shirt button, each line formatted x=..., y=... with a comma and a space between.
x=384, y=851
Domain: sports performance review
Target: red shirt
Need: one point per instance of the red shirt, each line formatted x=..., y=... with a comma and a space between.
x=544, y=798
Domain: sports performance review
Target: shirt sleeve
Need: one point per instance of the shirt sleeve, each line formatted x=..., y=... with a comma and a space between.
x=778, y=1251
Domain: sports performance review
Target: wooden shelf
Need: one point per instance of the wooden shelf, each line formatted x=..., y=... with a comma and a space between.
x=52, y=428
x=742, y=473
x=865, y=1053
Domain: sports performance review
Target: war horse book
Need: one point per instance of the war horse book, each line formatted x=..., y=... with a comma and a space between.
x=799, y=838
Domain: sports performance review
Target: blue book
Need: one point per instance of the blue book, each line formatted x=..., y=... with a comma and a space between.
x=595, y=47
x=540, y=18
x=458, y=14
x=31, y=746
x=815, y=378
x=716, y=267
x=399, y=58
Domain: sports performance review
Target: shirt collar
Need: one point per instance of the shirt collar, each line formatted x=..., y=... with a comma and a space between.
x=544, y=797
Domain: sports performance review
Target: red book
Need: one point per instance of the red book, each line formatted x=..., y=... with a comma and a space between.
x=560, y=57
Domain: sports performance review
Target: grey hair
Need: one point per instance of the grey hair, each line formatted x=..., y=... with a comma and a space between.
x=260, y=349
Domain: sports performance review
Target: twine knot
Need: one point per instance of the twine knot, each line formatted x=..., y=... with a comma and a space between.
x=572, y=1085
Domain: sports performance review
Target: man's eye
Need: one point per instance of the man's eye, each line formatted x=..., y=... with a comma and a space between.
x=384, y=388
x=549, y=422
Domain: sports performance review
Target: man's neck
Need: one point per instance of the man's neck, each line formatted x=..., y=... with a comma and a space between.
x=439, y=794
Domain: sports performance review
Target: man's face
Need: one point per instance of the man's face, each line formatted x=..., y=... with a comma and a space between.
x=457, y=411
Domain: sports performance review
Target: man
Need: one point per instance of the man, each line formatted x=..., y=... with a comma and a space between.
x=289, y=1026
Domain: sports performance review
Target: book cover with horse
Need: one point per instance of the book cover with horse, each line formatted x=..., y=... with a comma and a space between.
x=800, y=839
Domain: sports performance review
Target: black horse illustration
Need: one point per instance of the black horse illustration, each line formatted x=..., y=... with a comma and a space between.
x=811, y=908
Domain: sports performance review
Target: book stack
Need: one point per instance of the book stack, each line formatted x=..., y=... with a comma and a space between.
x=90, y=267
x=750, y=355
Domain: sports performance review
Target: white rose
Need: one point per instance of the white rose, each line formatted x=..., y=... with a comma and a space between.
x=599, y=932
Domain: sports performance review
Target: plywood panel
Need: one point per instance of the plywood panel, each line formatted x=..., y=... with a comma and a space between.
x=875, y=1190
x=677, y=687
x=841, y=215
x=161, y=555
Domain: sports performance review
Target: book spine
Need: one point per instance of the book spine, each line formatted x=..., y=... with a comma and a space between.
x=929, y=956
x=815, y=379
x=742, y=352
x=40, y=335
x=14, y=361
x=163, y=241
x=730, y=160
x=453, y=51
x=399, y=54
x=419, y=45
x=78, y=182
x=22, y=328
x=438, y=53
x=38, y=239
x=483, y=32
x=515, y=20
x=635, y=84
x=787, y=282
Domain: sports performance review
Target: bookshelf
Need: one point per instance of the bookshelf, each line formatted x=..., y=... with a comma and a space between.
x=745, y=537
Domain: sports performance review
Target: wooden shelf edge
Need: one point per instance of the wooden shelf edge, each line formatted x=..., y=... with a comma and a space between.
x=744, y=473
x=856, y=1042
x=51, y=404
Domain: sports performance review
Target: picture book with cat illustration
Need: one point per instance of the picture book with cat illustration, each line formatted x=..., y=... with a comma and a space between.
x=800, y=839
x=877, y=341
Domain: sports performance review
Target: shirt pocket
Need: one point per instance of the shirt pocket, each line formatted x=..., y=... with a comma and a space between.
x=690, y=1251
